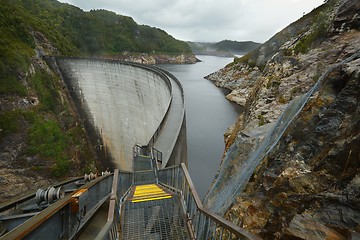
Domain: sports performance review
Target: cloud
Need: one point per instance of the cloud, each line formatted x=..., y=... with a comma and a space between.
x=209, y=20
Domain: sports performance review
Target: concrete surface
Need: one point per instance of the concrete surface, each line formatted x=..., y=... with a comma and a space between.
x=123, y=104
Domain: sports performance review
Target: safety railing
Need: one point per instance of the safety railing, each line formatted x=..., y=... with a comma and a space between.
x=17, y=202
x=156, y=155
x=202, y=223
x=67, y=217
x=140, y=150
x=120, y=187
x=70, y=214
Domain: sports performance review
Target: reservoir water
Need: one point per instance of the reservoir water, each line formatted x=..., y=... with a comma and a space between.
x=208, y=115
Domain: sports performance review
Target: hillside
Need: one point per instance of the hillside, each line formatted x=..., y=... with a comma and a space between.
x=42, y=139
x=292, y=160
x=98, y=32
x=225, y=48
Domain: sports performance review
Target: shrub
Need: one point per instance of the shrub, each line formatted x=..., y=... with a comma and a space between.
x=262, y=120
x=10, y=85
x=45, y=87
x=9, y=123
x=316, y=36
x=282, y=99
x=46, y=139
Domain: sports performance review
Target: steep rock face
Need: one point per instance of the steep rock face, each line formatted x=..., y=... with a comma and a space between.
x=286, y=72
x=312, y=175
x=306, y=185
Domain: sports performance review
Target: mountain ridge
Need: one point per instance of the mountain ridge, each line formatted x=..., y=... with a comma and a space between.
x=224, y=48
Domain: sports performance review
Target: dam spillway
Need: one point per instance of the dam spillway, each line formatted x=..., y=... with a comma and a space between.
x=124, y=104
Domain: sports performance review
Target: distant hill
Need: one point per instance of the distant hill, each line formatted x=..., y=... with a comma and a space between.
x=226, y=48
x=98, y=32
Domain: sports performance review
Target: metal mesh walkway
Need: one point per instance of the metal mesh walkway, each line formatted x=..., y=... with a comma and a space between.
x=152, y=213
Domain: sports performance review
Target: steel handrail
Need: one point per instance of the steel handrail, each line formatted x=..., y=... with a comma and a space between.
x=110, y=228
x=39, y=219
x=197, y=213
x=13, y=203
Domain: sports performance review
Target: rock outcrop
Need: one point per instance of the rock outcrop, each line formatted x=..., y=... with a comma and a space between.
x=292, y=165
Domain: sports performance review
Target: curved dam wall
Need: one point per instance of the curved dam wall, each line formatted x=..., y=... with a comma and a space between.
x=124, y=104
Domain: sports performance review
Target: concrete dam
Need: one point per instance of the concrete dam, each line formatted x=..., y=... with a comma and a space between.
x=133, y=115
x=126, y=104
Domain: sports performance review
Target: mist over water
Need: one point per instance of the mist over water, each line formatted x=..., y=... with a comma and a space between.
x=208, y=115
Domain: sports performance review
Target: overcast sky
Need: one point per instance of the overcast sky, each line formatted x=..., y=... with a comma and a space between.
x=209, y=20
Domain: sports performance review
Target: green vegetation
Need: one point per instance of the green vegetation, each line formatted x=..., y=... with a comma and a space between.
x=248, y=59
x=100, y=32
x=223, y=48
x=72, y=32
x=16, y=46
x=307, y=42
x=9, y=123
x=317, y=23
x=46, y=138
x=45, y=88
x=261, y=119
x=273, y=83
x=236, y=47
x=282, y=99
x=319, y=29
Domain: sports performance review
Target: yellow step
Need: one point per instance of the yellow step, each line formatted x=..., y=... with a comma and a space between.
x=151, y=199
x=152, y=195
x=149, y=192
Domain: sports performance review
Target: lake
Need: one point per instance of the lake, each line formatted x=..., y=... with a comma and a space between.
x=208, y=115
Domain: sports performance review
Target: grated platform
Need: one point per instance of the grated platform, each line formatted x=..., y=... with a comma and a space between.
x=157, y=219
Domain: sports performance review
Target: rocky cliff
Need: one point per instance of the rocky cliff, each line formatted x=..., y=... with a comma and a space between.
x=291, y=168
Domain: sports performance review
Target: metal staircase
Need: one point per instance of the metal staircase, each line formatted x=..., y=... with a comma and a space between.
x=151, y=211
x=149, y=203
